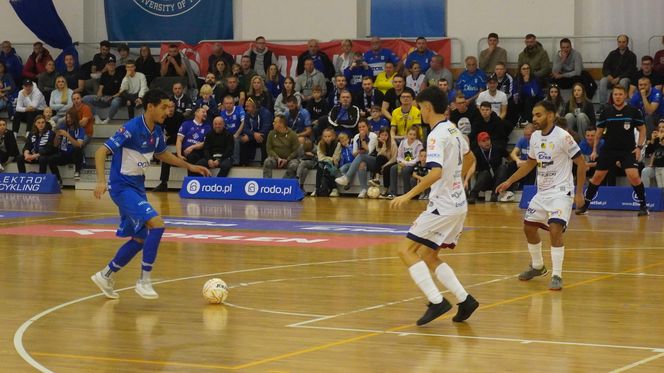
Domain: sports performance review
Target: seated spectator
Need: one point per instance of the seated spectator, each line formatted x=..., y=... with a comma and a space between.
x=259, y=93
x=85, y=118
x=100, y=60
x=345, y=59
x=146, y=64
x=586, y=145
x=490, y=171
x=7, y=88
x=377, y=57
x=536, y=57
x=376, y=120
x=553, y=96
x=69, y=140
x=246, y=73
x=282, y=149
x=655, y=152
x=472, y=81
x=464, y=113
x=343, y=117
x=579, y=111
x=274, y=81
x=217, y=149
x=38, y=147
x=133, y=87
x=383, y=80
x=368, y=97
x=356, y=72
x=519, y=157
x=206, y=101
x=123, y=57
x=298, y=120
x=61, y=101
x=489, y=122
x=437, y=71
x=647, y=71
x=8, y=147
x=280, y=107
x=11, y=60
x=172, y=64
x=391, y=100
x=234, y=117
x=567, y=65
x=420, y=170
x=404, y=117
x=307, y=158
x=36, y=63
x=234, y=90
x=497, y=99
x=217, y=88
x=444, y=86
x=415, y=80
x=618, y=67
x=420, y=53
x=364, y=145
x=317, y=107
x=257, y=125
x=338, y=84
x=29, y=105
x=172, y=124
x=386, y=156
x=183, y=103
x=346, y=157
x=492, y=55
x=309, y=78
x=321, y=62
x=260, y=57
x=328, y=155
x=73, y=75
x=220, y=71
x=48, y=117
x=46, y=80
x=651, y=103
x=527, y=92
x=658, y=60
x=507, y=86
x=108, y=94
x=218, y=53
x=407, y=154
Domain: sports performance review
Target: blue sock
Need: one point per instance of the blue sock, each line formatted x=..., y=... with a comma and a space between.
x=150, y=248
x=125, y=253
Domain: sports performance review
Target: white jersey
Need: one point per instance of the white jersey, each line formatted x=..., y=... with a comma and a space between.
x=554, y=153
x=445, y=148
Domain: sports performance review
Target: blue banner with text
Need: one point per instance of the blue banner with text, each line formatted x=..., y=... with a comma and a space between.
x=29, y=183
x=286, y=190
x=610, y=198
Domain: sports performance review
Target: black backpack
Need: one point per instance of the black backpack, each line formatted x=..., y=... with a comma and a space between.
x=325, y=181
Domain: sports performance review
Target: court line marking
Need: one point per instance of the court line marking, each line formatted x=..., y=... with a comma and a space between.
x=20, y=221
x=638, y=363
x=136, y=361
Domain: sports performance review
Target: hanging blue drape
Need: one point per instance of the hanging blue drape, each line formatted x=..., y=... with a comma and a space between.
x=398, y=18
x=43, y=20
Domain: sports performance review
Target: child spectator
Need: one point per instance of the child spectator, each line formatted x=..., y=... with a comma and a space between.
x=48, y=117
x=377, y=120
x=407, y=154
x=307, y=158
x=8, y=147
x=317, y=106
x=329, y=155
x=206, y=101
x=346, y=157
x=420, y=170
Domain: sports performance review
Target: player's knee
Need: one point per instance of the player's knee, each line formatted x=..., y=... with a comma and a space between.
x=156, y=222
x=407, y=250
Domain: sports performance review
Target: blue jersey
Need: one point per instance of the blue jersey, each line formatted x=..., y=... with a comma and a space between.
x=347, y=156
x=233, y=119
x=300, y=121
x=133, y=146
x=193, y=133
x=423, y=58
x=471, y=84
x=376, y=125
x=377, y=60
x=354, y=76
x=524, y=146
x=654, y=97
x=65, y=145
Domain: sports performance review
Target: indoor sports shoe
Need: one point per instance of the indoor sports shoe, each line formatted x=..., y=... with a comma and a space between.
x=105, y=284
x=341, y=180
x=583, y=210
x=434, y=311
x=643, y=212
x=363, y=194
x=145, y=290
x=334, y=192
x=556, y=283
x=466, y=308
x=531, y=272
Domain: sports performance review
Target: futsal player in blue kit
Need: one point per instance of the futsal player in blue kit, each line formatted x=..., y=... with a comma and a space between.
x=133, y=147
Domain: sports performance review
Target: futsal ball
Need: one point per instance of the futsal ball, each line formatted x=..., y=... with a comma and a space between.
x=215, y=291
x=373, y=192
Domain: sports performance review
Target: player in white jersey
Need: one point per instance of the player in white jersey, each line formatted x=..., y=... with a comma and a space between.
x=441, y=224
x=552, y=151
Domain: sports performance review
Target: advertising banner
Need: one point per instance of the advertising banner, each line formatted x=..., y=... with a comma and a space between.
x=287, y=190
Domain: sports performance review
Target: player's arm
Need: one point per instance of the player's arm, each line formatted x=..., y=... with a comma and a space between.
x=177, y=162
x=434, y=175
x=520, y=173
x=100, y=165
x=581, y=169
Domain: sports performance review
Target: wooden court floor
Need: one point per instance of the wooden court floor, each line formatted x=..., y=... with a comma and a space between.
x=317, y=287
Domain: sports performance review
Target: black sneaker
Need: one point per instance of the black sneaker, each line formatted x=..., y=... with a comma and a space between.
x=583, y=210
x=643, y=212
x=434, y=311
x=471, y=200
x=494, y=197
x=162, y=187
x=466, y=308
x=531, y=273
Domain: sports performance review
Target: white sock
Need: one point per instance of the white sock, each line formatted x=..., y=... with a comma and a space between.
x=535, y=251
x=557, y=256
x=447, y=277
x=106, y=272
x=145, y=275
x=422, y=277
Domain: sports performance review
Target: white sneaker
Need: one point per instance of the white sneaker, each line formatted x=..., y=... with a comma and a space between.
x=507, y=197
x=97, y=119
x=341, y=180
x=77, y=176
x=334, y=193
x=105, y=121
x=105, y=285
x=313, y=194
x=363, y=194
x=145, y=290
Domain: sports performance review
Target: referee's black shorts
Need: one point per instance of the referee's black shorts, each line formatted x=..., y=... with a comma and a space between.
x=608, y=158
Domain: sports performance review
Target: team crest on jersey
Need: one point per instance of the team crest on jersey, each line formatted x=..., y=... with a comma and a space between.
x=627, y=126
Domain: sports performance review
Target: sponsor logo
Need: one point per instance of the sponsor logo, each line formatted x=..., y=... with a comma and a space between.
x=143, y=164
x=542, y=156
x=166, y=8
x=193, y=187
x=251, y=188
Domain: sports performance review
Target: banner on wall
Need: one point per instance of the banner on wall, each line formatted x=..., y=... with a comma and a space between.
x=287, y=53
x=188, y=20
x=610, y=198
x=286, y=190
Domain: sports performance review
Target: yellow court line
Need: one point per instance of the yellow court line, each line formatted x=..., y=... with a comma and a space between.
x=124, y=360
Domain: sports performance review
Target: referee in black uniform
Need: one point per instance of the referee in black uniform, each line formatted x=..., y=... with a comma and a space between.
x=616, y=124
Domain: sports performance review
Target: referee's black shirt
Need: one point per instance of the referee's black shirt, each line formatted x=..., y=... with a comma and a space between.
x=619, y=127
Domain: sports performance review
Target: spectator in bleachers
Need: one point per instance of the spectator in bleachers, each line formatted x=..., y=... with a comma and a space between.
x=358, y=70
x=298, y=119
x=36, y=62
x=364, y=145
x=48, y=117
x=206, y=101
x=321, y=62
x=377, y=57
x=172, y=124
x=658, y=60
x=61, y=101
x=553, y=95
x=317, y=107
x=415, y=80
x=347, y=157
x=345, y=59
x=309, y=78
x=339, y=84
x=437, y=71
x=38, y=146
x=221, y=71
x=134, y=85
x=497, y=99
x=420, y=53
x=260, y=56
x=420, y=170
x=257, y=125
x=404, y=117
x=100, y=60
x=236, y=69
x=489, y=122
x=307, y=158
x=384, y=79
x=8, y=147
x=567, y=65
x=183, y=103
x=655, y=152
x=218, y=149
x=217, y=88
x=146, y=64
x=274, y=81
x=7, y=88
x=46, y=80
x=367, y=97
x=586, y=145
x=234, y=117
x=259, y=93
x=579, y=111
x=649, y=100
x=328, y=155
x=218, y=53
x=108, y=94
x=647, y=71
x=492, y=55
x=507, y=86
x=12, y=61
x=386, y=156
x=407, y=154
x=343, y=117
x=280, y=107
x=535, y=56
x=69, y=141
x=527, y=92
x=391, y=100
x=472, y=80
x=490, y=171
x=246, y=73
x=519, y=156
x=123, y=53
x=172, y=64
x=234, y=90
x=376, y=120
x=73, y=75
x=444, y=86
x=282, y=149
x=618, y=67
x=85, y=117
x=29, y=104
x=464, y=113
